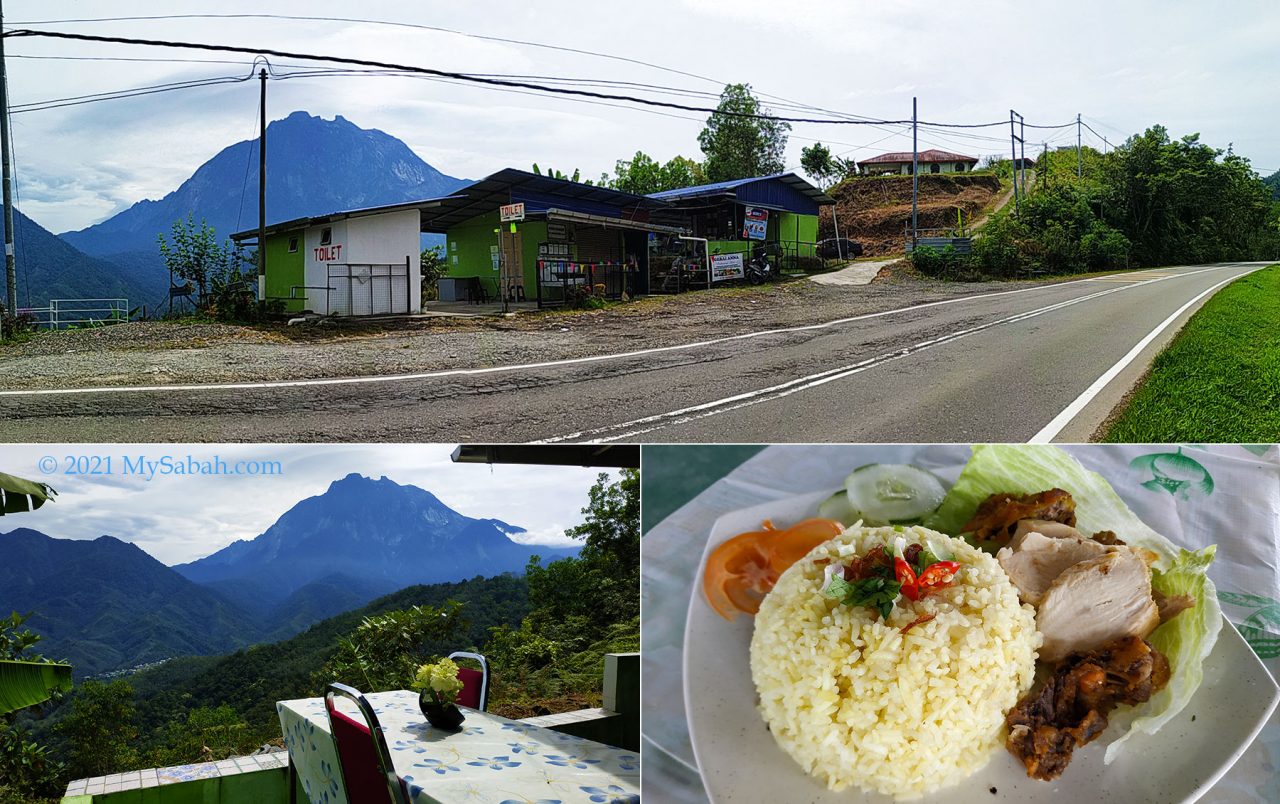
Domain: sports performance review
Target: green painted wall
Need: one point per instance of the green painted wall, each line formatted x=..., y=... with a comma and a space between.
x=285, y=270
x=471, y=241
x=802, y=228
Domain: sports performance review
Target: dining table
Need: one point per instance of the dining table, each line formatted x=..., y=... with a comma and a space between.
x=490, y=759
x=1196, y=495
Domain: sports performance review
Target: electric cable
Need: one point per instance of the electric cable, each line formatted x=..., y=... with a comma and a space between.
x=20, y=33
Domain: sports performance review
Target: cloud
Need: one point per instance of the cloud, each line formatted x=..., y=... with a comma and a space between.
x=1126, y=65
x=181, y=518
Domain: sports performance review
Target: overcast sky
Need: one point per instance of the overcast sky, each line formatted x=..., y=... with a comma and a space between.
x=1193, y=67
x=178, y=519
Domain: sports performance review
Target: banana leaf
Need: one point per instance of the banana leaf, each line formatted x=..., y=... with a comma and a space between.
x=18, y=495
x=25, y=684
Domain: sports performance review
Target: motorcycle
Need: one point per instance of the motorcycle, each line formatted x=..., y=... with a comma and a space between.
x=759, y=270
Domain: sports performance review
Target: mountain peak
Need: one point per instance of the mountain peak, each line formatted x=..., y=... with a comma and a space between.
x=314, y=167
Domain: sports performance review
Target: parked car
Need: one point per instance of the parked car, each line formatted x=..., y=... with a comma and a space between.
x=834, y=248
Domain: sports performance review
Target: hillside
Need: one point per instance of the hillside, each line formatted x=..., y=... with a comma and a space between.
x=251, y=681
x=314, y=166
x=49, y=268
x=876, y=210
x=105, y=604
x=1273, y=181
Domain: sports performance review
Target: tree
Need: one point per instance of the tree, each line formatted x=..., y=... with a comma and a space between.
x=555, y=174
x=826, y=170
x=383, y=653
x=27, y=769
x=642, y=175
x=433, y=267
x=100, y=730
x=737, y=142
x=196, y=255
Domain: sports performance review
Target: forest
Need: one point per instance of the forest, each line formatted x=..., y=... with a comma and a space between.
x=545, y=635
x=1152, y=201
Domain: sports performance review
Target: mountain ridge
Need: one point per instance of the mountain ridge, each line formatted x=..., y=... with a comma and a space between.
x=360, y=168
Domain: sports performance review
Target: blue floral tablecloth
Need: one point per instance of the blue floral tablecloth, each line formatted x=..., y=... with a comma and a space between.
x=1196, y=495
x=492, y=759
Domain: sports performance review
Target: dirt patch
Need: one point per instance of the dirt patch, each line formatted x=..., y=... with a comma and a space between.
x=875, y=210
x=168, y=353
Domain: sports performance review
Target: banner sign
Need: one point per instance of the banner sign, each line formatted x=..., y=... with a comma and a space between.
x=755, y=222
x=511, y=212
x=726, y=266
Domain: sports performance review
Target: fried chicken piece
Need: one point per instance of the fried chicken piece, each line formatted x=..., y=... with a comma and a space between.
x=997, y=517
x=1070, y=708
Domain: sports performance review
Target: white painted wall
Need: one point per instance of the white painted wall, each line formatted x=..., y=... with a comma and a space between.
x=388, y=238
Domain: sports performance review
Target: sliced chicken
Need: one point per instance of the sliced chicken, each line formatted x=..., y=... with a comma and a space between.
x=1045, y=527
x=1034, y=560
x=1094, y=602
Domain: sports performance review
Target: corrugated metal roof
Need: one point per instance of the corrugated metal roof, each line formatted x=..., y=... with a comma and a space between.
x=730, y=187
x=931, y=155
x=486, y=195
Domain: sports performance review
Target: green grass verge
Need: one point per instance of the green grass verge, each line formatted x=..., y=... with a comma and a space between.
x=1219, y=380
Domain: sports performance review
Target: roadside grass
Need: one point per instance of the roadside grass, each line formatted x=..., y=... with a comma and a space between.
x=1219, y=380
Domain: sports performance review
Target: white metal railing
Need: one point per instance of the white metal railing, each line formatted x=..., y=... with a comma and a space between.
x=77, y=312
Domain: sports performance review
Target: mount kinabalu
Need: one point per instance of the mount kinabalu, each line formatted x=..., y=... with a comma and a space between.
x=314, y=167
x=105, y=604
x=371, y=535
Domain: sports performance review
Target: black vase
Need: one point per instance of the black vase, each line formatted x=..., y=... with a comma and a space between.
x=443, y=716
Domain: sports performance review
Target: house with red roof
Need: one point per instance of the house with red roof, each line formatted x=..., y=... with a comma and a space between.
x=931, y=161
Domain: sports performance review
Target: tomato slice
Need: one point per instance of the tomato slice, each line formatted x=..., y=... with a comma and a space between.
x=742, y=570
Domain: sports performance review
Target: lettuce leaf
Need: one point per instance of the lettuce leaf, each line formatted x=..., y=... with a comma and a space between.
x=1030, y=468
x=1186, y=639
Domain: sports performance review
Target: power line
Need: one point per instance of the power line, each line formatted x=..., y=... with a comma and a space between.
x=471, y=78
x=77, y=100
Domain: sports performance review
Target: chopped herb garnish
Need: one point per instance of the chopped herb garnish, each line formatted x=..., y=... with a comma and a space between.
x=878, y=593
x=898, y=529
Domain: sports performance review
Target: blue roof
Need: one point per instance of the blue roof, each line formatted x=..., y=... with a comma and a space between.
x=782, y=190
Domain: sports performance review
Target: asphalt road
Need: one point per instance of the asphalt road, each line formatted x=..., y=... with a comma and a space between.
x=992, y=367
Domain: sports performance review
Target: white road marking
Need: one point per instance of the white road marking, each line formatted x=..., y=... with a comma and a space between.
x=382, y=378
x=648, y=424
x=1051, y=430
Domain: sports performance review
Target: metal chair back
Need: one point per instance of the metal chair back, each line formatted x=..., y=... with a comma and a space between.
x=484, y=675
x=338, y=722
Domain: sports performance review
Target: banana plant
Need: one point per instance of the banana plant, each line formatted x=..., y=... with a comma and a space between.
x=24, y=684
x=18, y=495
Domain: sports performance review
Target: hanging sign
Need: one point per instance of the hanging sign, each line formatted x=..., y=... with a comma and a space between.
x=511, y=212
x=726, y=266
x=755, y=222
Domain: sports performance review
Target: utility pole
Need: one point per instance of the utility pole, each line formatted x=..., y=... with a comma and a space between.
x=1079, y=154
x=1022, y=140
x=262, y=186
x=915, y=175
x=10, y=268
x=1013, y=148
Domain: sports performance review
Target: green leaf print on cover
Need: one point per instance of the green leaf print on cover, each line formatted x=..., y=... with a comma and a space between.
x=1174, y=473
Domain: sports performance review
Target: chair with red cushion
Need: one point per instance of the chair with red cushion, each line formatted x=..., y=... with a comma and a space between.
x=475, y=683
x=363, y=759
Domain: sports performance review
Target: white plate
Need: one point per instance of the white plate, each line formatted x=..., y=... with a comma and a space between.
x=740, y=761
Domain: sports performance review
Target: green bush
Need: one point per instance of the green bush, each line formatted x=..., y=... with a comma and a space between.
x=945, y=262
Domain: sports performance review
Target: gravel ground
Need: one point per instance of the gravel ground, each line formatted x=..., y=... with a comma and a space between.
x=155, y=353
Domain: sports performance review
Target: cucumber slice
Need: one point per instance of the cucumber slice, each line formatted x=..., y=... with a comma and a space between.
x=837, y=507
x=893, y=492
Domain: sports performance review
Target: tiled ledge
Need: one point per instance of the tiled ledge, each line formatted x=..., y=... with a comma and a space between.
x=566, y=718
x=156, y=777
